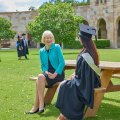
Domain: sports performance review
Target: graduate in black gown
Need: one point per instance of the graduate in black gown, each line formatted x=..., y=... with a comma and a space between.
x=78, y=92
x=25, y=46
x=19, y=47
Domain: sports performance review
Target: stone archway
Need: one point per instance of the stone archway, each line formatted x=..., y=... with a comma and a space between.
x=118, y=34
x=102, y=31
x=31, y=42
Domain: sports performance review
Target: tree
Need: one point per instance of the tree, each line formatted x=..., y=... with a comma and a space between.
x=86, y=1
x=5, y=30
x=32, y=8
x=59, y=18
x=55, y=1
x=69, y=1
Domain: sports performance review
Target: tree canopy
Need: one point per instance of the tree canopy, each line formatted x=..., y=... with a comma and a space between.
x=32, y=8
x=59, y=18
x=73, y=2
x=5, y=29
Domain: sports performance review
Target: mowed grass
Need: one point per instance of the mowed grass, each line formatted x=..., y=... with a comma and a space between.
x=17, y=91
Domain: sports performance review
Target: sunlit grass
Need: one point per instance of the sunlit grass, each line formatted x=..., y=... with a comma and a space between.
x=17, y=92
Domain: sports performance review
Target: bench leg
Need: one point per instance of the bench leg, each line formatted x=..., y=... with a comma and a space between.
x=97, y=101
x=50, y=94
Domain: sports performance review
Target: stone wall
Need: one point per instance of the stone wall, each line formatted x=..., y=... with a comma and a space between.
x=108, y=11
x=19, y=21
x=104, y=16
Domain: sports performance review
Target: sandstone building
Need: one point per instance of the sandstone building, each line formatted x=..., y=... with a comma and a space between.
x=103, y=14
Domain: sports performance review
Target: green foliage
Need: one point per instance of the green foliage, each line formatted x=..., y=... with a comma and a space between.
x=32, y=8
x=69, y=1
x=102, y=43
x=59, y=18
x=5, y=29
x=72, y=2
x=73, y=45
x=80, y=3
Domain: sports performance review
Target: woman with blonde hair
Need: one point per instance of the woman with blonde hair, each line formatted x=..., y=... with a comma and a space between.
x=52, y=65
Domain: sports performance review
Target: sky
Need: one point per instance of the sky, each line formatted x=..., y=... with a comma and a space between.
x=20, y=5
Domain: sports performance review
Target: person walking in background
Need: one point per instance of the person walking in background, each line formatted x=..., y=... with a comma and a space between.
x=25, y=46
x=78, y=92
x=19, y=47
x=52, y=64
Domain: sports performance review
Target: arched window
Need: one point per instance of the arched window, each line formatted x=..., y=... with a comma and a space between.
x=119, y=29
x=101, y=1
x=105, y=1
x=97, y=2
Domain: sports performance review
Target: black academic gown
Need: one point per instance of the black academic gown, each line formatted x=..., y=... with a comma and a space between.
x=25, y=48
x=19, y=48
x=75, y=94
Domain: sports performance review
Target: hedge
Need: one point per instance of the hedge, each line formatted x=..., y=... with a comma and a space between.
x=100, y=43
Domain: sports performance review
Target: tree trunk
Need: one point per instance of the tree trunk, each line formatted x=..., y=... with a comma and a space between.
x=0, y=48
x=0, y=43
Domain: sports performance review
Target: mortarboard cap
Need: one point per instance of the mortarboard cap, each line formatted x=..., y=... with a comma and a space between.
x=23, y=34
x=87, y=31
x=18, y=36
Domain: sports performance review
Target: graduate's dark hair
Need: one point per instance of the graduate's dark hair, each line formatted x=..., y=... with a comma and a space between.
x=89, y=45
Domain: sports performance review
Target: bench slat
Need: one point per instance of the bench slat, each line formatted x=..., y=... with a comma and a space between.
x=116, y=76
x=101, y=89
x=33, y=78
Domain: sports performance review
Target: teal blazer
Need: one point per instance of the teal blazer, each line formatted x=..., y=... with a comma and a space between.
x=55, y=56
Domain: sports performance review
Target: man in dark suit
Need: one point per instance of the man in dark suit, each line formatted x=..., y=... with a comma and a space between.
x=25, y=46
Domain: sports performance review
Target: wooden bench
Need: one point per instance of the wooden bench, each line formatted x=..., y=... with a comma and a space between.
x=98, y=96
x=116, y=76
x=108, y=69
x=49, y=92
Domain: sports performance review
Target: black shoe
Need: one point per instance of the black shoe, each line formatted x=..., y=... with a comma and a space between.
x=29, y=112
x=27, y=58
x=41, y=111
x=44, y=105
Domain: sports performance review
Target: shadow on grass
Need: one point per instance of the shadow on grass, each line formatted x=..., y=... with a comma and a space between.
x=112, y=100
x=63, y=53
x=7, y=51
x=107, y=112
x=50, y=110
x=70, y=53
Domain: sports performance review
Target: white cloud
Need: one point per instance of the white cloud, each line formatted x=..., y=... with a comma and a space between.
x=20, y=5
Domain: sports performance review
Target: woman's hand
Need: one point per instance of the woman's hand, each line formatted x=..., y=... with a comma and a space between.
x=52, y=76
x=46, y=72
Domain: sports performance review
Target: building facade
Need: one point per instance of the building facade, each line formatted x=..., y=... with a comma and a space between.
x=103, y=14
x=19, y=22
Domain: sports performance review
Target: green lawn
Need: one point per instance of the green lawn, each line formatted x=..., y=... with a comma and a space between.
x=17, y=92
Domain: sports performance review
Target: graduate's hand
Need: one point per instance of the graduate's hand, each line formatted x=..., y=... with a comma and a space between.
x=71, y=77
x=52, y=76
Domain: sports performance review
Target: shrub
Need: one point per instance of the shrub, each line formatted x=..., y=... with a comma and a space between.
x=100, y=43
x=73, y=45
